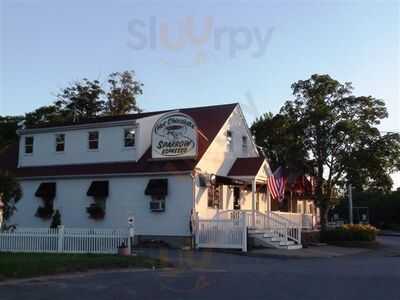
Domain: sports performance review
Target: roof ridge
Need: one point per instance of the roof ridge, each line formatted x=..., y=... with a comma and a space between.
x=134, y=116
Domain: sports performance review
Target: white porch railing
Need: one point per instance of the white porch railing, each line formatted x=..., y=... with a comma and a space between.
x=221, y=233
x=304, y=220
x=277, y=224
x=62, y=240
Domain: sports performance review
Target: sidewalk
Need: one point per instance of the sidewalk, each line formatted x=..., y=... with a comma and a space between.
x=389, y=233
x=323, y=251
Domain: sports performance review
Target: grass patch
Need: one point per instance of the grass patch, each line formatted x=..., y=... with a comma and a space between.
x=23, y=265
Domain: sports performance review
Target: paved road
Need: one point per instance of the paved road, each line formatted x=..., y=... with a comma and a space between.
x=224, y=276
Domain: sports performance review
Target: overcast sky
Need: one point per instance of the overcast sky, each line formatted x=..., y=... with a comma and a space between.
x=233, y=51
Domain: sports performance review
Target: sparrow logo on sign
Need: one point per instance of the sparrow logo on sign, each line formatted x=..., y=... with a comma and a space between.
x=174, y=136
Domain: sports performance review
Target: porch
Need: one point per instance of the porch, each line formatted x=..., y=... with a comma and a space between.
x=230, y=209
x=232, y=229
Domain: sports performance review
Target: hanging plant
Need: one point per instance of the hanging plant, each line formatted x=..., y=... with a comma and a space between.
x=95, y=211
x=44, y=212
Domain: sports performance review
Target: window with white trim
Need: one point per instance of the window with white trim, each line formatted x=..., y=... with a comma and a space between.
x=93, y=140
x=29, y=145
x=229, y=140
x=244, y=144
x=60, y=142
x=129, y=137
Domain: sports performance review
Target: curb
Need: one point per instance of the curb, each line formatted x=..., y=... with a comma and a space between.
x=390, y=234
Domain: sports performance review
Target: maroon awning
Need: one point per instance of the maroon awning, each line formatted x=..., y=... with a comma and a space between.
x=98, y=189
x=46, y=190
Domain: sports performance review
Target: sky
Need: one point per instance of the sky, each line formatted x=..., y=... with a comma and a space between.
x=193, y=54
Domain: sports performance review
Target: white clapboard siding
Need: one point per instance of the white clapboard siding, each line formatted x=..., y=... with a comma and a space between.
x=62, y=240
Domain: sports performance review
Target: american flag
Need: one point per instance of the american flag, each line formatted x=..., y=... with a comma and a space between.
x=276, y=184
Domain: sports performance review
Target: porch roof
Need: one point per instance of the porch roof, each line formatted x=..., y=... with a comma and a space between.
x=246, y=166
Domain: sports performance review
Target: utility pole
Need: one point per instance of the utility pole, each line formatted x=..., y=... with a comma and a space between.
x=350, y=204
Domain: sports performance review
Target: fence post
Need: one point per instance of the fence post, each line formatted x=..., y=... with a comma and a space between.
x=299, y=229
x=244, y=233
x=60, y=243
x=196, y=230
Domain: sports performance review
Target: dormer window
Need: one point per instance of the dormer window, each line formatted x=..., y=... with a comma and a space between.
x=60, y=142
x=129, y=137
x=93, y=140
x=29, y=145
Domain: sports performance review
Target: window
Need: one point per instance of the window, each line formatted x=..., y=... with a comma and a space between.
x=129, y=137
x=244, y=144
x=215, y=196
x=60, y=142
x=29, y=145
x=229, y=140
x=93, y=140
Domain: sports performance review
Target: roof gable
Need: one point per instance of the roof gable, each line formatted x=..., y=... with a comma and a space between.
x=209, y=120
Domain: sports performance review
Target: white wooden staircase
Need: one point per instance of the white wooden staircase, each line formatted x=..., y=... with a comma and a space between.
x=272, y=230
x=269, y=239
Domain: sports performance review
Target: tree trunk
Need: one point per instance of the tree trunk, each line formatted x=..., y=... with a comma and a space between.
x=324, y=216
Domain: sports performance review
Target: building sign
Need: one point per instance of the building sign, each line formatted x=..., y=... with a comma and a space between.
x=174, y=136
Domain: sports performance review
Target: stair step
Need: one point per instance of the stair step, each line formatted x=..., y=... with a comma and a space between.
x=293, y=247
x=288, y=243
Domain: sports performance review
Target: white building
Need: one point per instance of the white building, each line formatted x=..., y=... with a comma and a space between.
x=160, y=167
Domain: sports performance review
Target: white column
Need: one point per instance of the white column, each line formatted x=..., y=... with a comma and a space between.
x=253, y=203
x=269, y=200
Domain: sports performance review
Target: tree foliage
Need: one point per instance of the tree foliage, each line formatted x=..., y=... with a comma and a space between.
x=336, y=130
x=45, y=114
x=121, y=97
x=81, y=100
x=10, y=193
x=282, y=142
x=8, y=129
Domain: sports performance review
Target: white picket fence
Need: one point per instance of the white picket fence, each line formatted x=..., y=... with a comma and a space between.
x=224, y=233
x=63, y=240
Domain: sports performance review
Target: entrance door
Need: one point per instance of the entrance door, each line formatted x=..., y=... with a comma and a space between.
x=236, y=198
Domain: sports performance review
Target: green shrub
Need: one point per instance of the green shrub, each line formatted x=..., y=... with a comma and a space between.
x=350, y=233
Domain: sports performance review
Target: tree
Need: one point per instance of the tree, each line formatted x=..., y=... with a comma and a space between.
x=8, y=129
x=338, y=133
x=45, y=114
x=282, y=142
x=81, y=100
x=10, y=193
x=121, y=98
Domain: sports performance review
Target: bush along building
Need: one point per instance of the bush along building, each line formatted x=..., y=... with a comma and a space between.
x=186, y=175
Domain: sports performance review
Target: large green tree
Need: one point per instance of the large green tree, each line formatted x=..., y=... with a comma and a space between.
x=81, y=100
x=10, y=192
x=282, y=141
x=122, y=93
x=338, y=132
x=8, y=129
x=45, y=114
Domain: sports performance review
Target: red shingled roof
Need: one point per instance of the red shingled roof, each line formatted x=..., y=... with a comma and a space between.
x=246, y=166
x=209, y=120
